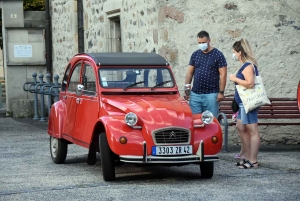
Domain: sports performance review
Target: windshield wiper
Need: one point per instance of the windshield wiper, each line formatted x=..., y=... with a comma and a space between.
x=131, y=85
x=162, y=83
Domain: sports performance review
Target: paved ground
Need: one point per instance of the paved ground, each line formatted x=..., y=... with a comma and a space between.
x=28, y=173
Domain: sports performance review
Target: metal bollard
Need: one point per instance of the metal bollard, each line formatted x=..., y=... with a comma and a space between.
x=42, y=97
x=35, y=99
x=56, y=77
x=48, y=81
x=43, y=88
x=224, y=122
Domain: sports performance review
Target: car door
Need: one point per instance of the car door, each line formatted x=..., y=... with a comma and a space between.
x=87, y=107
x=70, y=102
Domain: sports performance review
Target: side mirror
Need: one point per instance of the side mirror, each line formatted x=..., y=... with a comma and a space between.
x=79, y=89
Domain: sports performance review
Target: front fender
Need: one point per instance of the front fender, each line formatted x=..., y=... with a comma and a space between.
x=206, y=133
x=56, y=119
x=115, y=128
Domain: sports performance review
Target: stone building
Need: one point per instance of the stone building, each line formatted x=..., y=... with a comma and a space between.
x=170, y=28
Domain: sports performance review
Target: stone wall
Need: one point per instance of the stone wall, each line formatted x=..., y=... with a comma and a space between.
x=34, y=18
x=1, y=65
x=170, y=28
x=64, y=33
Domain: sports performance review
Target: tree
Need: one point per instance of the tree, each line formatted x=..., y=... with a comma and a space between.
x=33, y=5
x=28, y=5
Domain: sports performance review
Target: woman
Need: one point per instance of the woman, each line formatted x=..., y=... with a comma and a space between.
x=246, y=123
x=241, y=154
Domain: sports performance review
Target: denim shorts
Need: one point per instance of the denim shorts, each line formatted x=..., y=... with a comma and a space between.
x=250, y=117
x=201, y=102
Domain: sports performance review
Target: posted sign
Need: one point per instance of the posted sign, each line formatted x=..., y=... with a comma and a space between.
x=23, y=50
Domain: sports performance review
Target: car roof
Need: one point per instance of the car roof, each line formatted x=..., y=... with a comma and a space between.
x=127, y=58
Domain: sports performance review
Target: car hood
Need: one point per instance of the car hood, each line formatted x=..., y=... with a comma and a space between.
x=157, y=111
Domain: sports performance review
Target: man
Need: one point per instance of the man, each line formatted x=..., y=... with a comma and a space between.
x=208, y=67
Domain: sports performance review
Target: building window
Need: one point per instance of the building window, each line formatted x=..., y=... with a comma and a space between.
x=115, y=40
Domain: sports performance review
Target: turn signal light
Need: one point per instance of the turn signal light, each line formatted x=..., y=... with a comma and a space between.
x=214, y=139
x=123, y=140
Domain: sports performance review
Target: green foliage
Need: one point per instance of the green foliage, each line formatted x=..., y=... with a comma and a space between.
x=9, y=114
x=33, y=5
x=28, y=5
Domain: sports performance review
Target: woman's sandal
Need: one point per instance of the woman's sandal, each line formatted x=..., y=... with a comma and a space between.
x=241, y=162
x=248, y=165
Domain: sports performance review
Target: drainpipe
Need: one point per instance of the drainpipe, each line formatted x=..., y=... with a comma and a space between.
x=80, y=26
x=48, y=38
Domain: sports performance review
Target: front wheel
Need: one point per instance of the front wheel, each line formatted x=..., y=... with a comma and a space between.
x=107, y=161
x=58, y=150
x=207, y=170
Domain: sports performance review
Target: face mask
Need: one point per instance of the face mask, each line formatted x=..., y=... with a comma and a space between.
x=203, y=46
x=234, y=57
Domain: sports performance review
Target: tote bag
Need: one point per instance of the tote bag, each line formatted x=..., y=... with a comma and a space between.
x=254, y=97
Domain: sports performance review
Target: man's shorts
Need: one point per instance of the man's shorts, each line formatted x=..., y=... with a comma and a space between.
x=201, y=102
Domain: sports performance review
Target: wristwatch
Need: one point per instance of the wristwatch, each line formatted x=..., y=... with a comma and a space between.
x=221, y=92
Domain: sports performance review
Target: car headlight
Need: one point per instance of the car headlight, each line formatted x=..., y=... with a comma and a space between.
x=207, y=117
x=131, y=119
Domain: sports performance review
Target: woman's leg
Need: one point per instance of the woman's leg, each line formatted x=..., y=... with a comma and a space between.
x=241, y=130
x=242, y=151
x=245, y=137
x=254, y=142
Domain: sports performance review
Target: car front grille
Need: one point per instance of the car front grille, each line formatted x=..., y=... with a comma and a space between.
x=171, y=136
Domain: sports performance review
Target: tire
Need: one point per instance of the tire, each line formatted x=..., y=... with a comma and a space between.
x=107, y=162
x=92, y=158
x=58, y=150
x=207, y=170
x=118, y=163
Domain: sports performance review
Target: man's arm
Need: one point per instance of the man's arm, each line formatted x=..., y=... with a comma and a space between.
x=223, y=77
x=189, y=74
x=188, y=80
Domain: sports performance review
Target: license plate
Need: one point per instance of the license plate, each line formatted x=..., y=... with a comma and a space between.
x=172, y=150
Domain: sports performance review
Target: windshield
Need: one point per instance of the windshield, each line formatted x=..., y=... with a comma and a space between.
x=128, y=78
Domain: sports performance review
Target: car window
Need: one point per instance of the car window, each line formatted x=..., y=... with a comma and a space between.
x=65, y=78
x=75, y=78
x=89, y=80
x=141, y=77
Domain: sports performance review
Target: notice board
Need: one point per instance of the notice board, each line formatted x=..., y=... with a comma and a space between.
x=25, y=46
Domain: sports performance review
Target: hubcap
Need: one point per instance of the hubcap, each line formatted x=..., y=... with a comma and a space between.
x=54, y=145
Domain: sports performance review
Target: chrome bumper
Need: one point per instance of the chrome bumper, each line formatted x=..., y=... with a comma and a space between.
x=199, y=157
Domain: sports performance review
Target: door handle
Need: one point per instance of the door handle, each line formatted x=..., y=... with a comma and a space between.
x=78, y=100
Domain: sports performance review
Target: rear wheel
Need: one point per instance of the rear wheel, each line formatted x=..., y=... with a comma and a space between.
x=207, y=170
x=92, y=158
x=58, y=150
x=107, y=161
